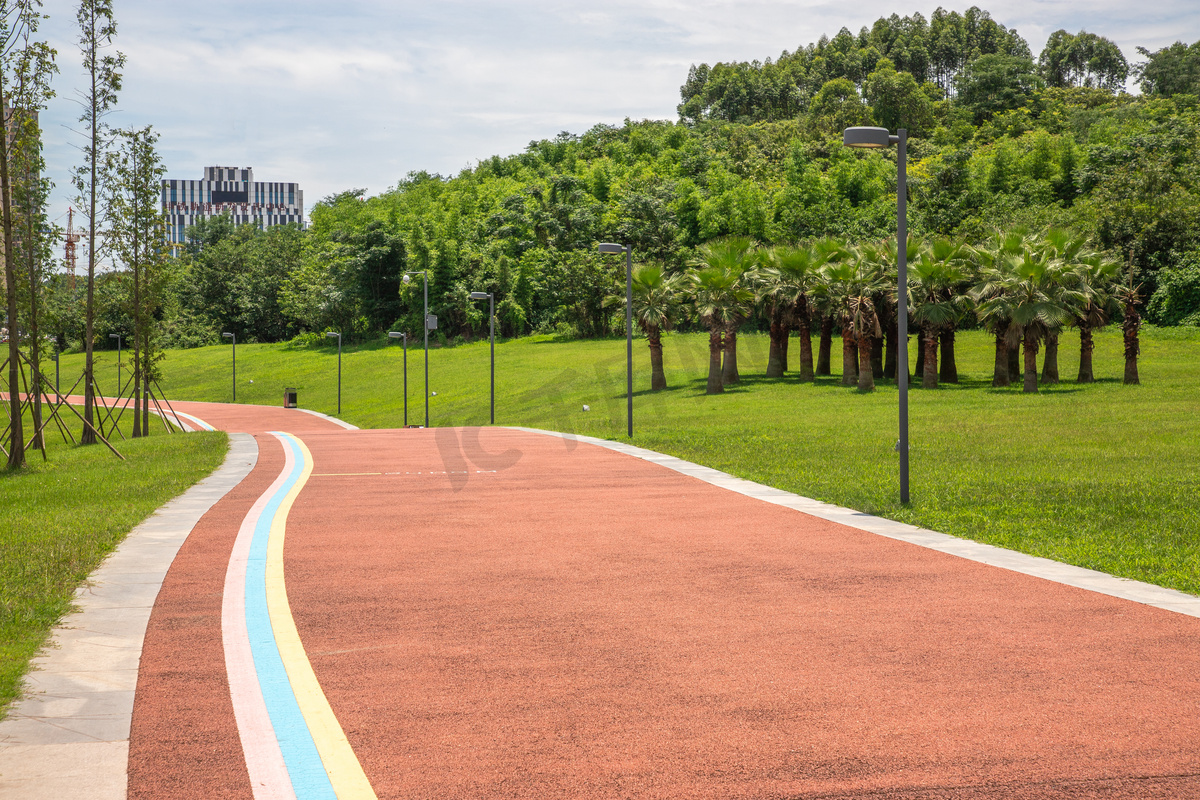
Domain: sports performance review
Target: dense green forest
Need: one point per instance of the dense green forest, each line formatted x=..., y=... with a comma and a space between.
x=999, y=139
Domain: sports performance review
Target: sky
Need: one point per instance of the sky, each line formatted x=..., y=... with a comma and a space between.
x=355, y=94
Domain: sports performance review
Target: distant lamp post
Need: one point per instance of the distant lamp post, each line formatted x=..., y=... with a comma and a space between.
x=57, y=350
x=879, y=138
x=403, y=337
x=117, y=336
x=610, y=248
x=430, y=324
x=491, y=298
x=234, y=338
x=331, y=335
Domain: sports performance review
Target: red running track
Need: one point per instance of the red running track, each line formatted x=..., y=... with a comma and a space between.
x=504, y=617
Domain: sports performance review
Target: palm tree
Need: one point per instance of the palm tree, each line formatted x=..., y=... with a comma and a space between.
x=823, y=301
x=721, y=301
x=1094, y=279
x=791, y=274
x=773, y=288
x=854, y=282
x=934, y=299
x=655, y=302
x=1129, y=296
x=1031, y=291
x=989, y=286
x=1067, y=248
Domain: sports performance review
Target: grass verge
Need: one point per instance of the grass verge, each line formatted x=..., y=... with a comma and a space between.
x=61, y=517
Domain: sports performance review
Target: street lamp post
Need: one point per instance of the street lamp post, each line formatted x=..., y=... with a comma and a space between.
x=330, y=335
x=877, y=138
x=609, y=247
x=403, y=337
x=57, y=350
x=117, y=336
x=429, y=325
x=234, y=338
x=491, y=298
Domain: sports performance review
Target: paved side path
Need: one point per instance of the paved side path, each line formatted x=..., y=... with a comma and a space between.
x=69, y=737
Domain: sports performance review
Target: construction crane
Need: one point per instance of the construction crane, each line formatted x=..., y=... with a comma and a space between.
x=72, y=238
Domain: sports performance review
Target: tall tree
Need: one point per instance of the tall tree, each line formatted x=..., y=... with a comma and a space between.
x=25, y=69
x=97, y=27
x=137, y=241
x=721, y=299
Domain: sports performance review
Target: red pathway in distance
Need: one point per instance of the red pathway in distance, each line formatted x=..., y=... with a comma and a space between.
x=496, y=614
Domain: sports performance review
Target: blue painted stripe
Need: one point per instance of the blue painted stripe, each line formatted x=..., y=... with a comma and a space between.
x=296, y=743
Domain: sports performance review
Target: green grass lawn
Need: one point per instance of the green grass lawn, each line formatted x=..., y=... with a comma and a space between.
x=1103, y=476
x=59, y=518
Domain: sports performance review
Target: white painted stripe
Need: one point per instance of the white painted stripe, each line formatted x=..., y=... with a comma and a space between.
x=264, y=760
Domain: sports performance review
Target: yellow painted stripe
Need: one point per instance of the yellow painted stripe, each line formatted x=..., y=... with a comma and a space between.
x=345, y=773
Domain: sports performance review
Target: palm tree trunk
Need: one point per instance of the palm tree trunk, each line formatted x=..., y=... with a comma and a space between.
x=658, y=378
x=929, y=376
x=1086, y=345
x=806, y=354
x=825, y=346
x=1050, y=362
x=849, y=358
x=715, y=342
x=729, y=369
x=1130, y=326
x=1014, y=361
x=949, y=371
x=775, y=357
x=919, y=367
x=784, y=344
x=877, y=357
x=889, y=348
x=866, y=364
x=1031, y=348
x=1000, y=371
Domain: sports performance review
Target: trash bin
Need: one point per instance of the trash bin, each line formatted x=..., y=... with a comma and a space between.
x=289, y=398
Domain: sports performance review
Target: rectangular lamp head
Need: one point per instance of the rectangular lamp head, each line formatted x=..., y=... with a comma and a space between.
x=609, y=247
x=395, y=334
x=479, y=295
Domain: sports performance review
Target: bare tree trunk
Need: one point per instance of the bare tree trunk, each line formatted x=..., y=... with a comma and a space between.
x=779, y=335
x=866, y=364
x=1031, y=348
x=715, y=342
x=1086, y=346
x=849, y=357
x=1000, y=371
x=949, y=370
x=16, y=438
x=929, y=374
x=1130, y=326
x=658, y=378
x=889, y=348
x=825, y=346
x=1050, y=361
x=806, y=354
x=729, y=369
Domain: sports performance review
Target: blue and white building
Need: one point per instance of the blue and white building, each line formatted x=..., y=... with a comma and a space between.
x=229, y=191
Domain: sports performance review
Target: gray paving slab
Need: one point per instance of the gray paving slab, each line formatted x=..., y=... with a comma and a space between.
x=1070, y=575
x=68, y=737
